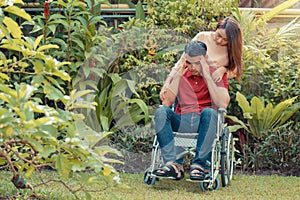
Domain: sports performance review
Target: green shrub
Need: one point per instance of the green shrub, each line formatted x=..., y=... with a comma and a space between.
x=39, y=123
x=189, y=17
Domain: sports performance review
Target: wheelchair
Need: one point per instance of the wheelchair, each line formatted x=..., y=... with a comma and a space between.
x=222, y=156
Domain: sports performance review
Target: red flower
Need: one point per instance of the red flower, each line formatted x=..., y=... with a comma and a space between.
x=46, y=10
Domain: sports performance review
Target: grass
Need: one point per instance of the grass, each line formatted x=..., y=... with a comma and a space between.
x=242, y=187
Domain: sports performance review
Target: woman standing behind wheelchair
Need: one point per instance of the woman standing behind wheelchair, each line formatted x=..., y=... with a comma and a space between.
x=224, y=51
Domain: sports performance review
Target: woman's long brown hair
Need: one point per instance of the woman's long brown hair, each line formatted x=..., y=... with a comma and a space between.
x=234, y=45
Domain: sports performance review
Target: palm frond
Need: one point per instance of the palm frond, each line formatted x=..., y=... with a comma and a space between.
x=275, y=11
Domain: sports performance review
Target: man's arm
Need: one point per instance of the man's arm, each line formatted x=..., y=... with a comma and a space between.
x=219, y=95
x=171, y=91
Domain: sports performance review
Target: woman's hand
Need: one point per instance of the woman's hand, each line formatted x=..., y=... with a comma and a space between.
x=218, y=74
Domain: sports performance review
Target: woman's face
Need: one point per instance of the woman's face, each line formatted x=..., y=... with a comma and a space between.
x=220, y=37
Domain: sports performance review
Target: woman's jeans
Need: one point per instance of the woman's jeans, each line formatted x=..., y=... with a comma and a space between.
x=205, y=123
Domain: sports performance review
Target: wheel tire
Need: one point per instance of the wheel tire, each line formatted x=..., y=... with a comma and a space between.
x=215, y=186
x=148, y=179
x=226, y=158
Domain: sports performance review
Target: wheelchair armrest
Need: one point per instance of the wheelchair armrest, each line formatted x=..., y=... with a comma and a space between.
x=222, y=110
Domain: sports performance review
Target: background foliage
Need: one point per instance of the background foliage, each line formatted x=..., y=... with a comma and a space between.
x=71, y=70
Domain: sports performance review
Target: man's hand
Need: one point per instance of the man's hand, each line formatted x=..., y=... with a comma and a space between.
x=204, y=67
x=182, y=66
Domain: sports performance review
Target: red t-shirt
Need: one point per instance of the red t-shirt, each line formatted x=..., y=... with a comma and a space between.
x=193, y=94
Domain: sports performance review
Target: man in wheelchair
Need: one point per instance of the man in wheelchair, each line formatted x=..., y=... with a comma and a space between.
x=197, y=98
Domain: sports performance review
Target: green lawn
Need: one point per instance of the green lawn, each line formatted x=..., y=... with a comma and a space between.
x=242, y=187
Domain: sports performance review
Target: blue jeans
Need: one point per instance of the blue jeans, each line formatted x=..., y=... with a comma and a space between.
x=205, y=123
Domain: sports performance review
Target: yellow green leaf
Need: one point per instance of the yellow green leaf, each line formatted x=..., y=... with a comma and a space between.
x=38, y=67
x=4, y=76
x=13, y=27
x=48, y=46
x=63, y=63
x=18, y=11
x=62, y=74
x=106, y=171
x=9, y=131
x=19, y=2
x=29, y=171
x=12, y=46
x=37, y=41
x=62, y=166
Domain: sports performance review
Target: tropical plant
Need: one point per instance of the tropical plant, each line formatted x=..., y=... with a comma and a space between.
x=73, y=27
x=270, y=57
x=39, y=124
x=116, y=106
x=263, y=120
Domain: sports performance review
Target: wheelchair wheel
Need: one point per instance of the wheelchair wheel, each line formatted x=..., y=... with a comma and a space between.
x=204, y=186
x=227, y=155
x=148, y=179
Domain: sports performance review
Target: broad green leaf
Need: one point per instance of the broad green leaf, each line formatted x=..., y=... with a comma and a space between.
x=242, y=102
x=11, y=101
x=105, y=149
x=29, y=171
x=36, y=144
x=56, y=16
x=46, y=121
x=62, y=166
x=62, y=74
x=175, y=48
x=47, y=46
x=75, y=95
x=60, y=2
x=79, y=43
x=234, y=128
x=104, y=122
x=18, y=11
x=55, y=82
x=62, y=63
x=13, y=27
x=257, y=106
x=106, y=171
x=38, y=67
x=4, y=32
x=37, y=41
x=12, y=46
x=9, y=91
x=120, y=88
x=2, y=161
x=25, y=92
x=4, y=76
x=49, y=129
x=52, y=93
x=142, y=105
x=48, y=149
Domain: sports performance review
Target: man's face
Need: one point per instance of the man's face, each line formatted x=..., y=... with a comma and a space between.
x=193, y=64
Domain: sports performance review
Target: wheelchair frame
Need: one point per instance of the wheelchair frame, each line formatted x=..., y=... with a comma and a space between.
x=222, y=156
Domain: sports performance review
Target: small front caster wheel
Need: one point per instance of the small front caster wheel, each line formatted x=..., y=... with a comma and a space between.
x=148, y=179
x=204, y=186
